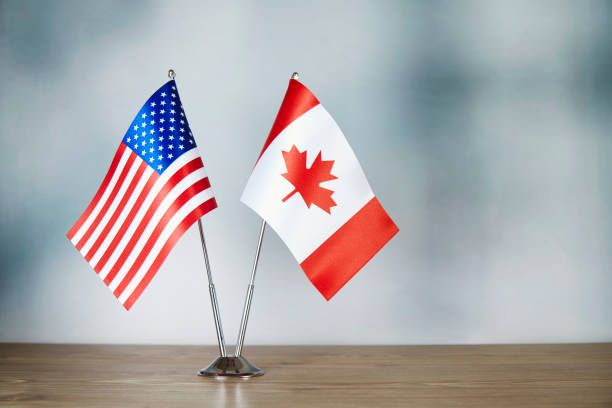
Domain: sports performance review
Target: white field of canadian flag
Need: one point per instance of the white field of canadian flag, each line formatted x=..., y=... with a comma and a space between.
x=308, y=185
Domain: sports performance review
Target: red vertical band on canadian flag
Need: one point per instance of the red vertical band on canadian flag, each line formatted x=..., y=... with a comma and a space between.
x=347, y=250
x=298, y=100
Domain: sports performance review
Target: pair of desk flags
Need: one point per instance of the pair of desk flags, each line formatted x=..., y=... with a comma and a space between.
x=156, y=188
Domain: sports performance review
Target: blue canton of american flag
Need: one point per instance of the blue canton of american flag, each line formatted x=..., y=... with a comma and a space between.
x=160, y=132
x=155, y=189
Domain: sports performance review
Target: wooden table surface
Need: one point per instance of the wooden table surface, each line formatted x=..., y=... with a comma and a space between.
x=573, y=375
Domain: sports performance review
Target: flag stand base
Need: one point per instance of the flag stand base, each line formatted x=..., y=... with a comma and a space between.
x=231, y=367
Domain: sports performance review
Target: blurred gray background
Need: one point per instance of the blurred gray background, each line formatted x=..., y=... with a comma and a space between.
x=484, y=129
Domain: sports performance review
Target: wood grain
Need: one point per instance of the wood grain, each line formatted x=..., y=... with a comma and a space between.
x=578, y=375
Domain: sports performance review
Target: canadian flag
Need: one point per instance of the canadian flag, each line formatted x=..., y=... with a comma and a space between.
x=308, y=185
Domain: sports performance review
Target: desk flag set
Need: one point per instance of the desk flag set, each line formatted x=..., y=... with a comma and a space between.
x=306, y=183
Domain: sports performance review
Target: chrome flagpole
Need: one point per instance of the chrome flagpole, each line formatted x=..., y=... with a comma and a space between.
x=249, y=296
x=213, y=295
x=211, y=285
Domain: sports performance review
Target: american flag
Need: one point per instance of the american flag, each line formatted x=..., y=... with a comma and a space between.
x=155, y=189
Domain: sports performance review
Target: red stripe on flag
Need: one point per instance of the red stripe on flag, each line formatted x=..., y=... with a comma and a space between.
x=192, y=217
x=347, y=250
x=111, y=222
x=185, y=196
x=101, y=189
x=127, y=222
x=108, y=202
x=183, y=172
x=298, y=100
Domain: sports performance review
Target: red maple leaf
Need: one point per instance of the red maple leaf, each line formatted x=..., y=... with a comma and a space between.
x=306, y=180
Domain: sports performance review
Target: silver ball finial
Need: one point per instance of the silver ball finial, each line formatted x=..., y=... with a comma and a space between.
x=295, y=75
x=171, y=73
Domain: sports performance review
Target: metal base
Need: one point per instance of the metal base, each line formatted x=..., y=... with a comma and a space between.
x=231, y=367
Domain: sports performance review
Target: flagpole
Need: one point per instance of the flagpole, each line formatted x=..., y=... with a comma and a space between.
x=211, y=286
x=249, y=296
x=213, y=295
